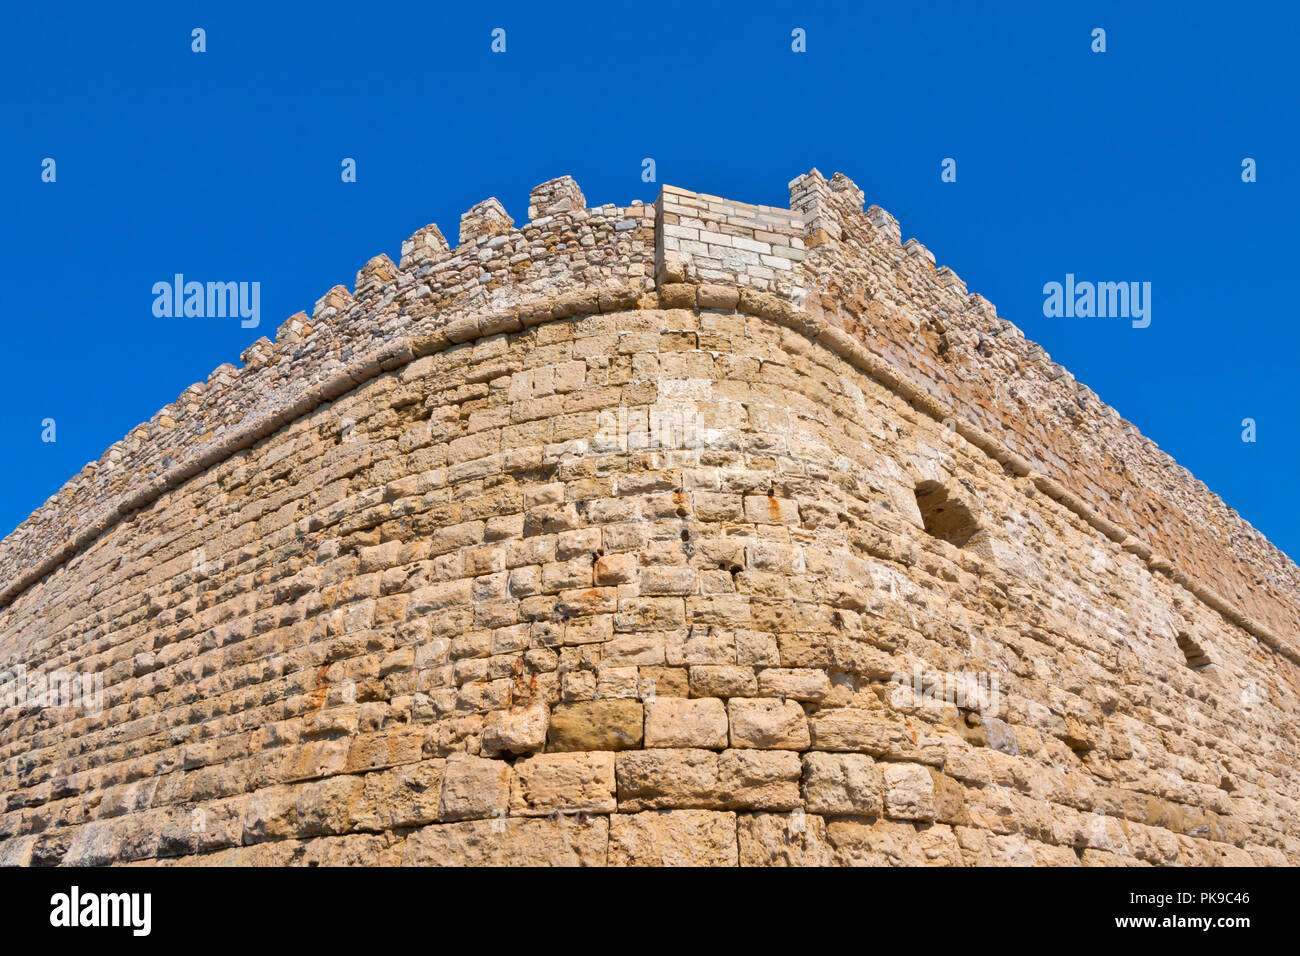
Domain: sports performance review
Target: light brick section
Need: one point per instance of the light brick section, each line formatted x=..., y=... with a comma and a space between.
x=599, y=541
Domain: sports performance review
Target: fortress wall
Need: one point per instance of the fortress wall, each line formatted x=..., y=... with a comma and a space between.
x=444, y=599
x=434, y=294
x=851, y=271
x=954, y=345
x=416, y=637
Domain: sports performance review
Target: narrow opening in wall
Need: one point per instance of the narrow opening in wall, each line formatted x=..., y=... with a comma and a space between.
x=943, y=516
x=1195, y=654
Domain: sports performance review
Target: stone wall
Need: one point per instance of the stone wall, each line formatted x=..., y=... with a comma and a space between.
x=694, y=533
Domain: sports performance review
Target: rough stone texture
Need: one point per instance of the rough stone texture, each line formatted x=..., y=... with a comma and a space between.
x=597, y=725
x=767, y=724
x=844, y=784
x=673, y=838
x=909, y=792
x=680, y=722
x=473, y=788
x=564, y=782
x=694, y=533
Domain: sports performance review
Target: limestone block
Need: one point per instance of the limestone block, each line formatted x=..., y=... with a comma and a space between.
x=675, y=838
x=842, y=783
x=474, y=788
x=857, y=842
x=851, y=729
x=908, y=792
x=664, y=682
x=758, y=780
x=407, y=796
x=722, y=680
x=787, y=839
x=685, y=722
x=615, y=569
x=510, y=841
x=663, y=779
x=807, y=683
x=767, y=723
x=520, y=730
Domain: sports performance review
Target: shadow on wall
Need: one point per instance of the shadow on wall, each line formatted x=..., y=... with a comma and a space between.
x=945, y=516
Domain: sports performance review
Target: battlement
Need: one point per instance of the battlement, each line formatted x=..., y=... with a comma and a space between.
x=695, y=531
x=825, y=266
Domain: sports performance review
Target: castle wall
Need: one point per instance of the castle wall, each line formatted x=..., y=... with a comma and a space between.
x=559, y=548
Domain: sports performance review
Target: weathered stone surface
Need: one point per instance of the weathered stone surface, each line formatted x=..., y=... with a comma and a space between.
x=842, y=783
x=403, y=797
x=564, y=782
x=513, y=841
x=878, y=733
x=874, y=842
x=523, y=542
x=663, y=779
x=17, y=852
x=673, y=838
x=940, y=847
x=795, y=683
x=793, y=839
x=759, y=780
x=683, y=722
x=474, y=788
x=597, y=725
x=767, y=723
x=908, y=792
x=521, y=730
x=733, y=779
x=722, y=680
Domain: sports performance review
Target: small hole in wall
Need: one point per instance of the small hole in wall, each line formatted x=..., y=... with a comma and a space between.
x=1195, y=654
x=943, y=516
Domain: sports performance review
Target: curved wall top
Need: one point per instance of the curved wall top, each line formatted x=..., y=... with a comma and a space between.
x=824, y=266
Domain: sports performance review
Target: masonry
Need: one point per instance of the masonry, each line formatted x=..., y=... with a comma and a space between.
x=394, y=591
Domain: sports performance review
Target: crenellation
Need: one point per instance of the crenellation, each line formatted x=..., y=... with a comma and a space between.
x=435, y=532
x=292, y=329
x=886, y=224
x=984, y=309
x=916, y=250
x=810, y=198
x=257, y=353
x=557, y=196
x=853, y=196
x=426, y=245
x=950, y=280
x=484, y=221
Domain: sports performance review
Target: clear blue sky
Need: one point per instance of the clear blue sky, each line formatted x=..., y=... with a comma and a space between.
x=225, y=165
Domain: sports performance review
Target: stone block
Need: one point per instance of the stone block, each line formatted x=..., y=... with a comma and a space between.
x=685, y=722
x=563, y=782
x=767, y=723
x=674, y=838
x=596, y=725
x=474, y=788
